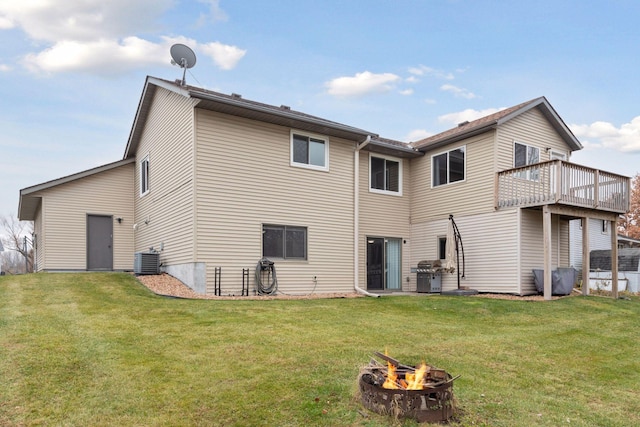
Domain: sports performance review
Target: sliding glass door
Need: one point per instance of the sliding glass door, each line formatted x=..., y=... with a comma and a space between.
x=384, y=264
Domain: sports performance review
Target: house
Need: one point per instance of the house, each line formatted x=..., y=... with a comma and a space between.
x=511, y=182
x=216, y=182
x=599, y=247
x=599, y=239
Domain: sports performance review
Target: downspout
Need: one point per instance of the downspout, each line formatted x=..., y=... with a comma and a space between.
x=356, y=218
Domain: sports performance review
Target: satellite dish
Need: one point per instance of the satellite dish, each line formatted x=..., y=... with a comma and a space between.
x=183, y=57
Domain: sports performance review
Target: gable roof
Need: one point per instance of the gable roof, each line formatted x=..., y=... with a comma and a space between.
x=29, y=203
x=467, y=129
x=236, y=105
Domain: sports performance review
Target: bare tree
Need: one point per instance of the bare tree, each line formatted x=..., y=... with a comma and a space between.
x=629, y=223
x=17, y=237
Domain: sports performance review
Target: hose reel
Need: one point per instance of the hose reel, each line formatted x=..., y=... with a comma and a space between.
x=266, y=279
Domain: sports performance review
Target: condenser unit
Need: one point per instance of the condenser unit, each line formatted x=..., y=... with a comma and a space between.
x=146, y=263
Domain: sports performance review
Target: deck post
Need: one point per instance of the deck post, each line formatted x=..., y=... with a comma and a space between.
x=586, y=259
x=613, y=228
x=546, y=231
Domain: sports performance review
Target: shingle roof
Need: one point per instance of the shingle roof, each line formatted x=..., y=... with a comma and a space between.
x=237, y=105
x=483, y=124
x=392, y=147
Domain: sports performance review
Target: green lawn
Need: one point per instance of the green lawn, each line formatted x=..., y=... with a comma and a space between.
x=101, y=350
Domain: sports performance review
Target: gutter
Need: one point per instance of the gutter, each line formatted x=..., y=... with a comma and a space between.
x=356, y=218
x=274, y=111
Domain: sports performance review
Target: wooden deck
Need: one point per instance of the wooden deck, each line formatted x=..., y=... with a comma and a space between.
x=557, y=182
x=564, y=188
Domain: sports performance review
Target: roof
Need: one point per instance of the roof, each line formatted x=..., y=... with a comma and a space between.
x=237, y=105
x=629, y=240
x=468, y=129
x=392, y=147
x=29, y=202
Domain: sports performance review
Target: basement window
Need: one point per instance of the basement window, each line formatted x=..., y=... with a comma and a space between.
x=284, y=241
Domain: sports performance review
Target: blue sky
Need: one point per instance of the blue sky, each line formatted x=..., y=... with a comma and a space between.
x=71, y=73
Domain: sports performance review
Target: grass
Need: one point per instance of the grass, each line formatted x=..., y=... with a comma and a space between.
x=101, y=350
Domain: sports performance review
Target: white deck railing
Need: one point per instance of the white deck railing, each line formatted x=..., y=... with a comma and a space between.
x=560, y=182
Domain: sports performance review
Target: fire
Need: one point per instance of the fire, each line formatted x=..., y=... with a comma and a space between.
x=392, y=377
x=415, y=381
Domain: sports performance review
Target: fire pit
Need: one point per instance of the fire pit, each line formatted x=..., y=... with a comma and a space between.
x=423, y=393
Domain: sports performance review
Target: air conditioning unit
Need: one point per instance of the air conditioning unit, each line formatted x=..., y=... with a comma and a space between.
x=146, y=263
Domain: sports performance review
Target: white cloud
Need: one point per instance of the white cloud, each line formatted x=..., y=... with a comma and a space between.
x=412, y=79
x=225, y=56
x=423, y=70
x=83, y=20
x=216, y=14
x=103, y=56
x=466, y=115
x=406, y=92
x=362, y=84
x=458, y=91
x=99, y=36
x=417, y=135
x=626, y=138
x=6, y=23
x=4, y=68
x=109, y=57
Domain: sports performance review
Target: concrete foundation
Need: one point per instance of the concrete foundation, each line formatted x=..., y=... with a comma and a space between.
x=194, y=275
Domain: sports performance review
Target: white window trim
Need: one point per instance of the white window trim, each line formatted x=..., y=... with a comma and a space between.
x=447, y=151
x=528, y=146
x=324, y=168
x=400, y=172
x=438, y=239
x=558, y=153
x=146, y=191
x=528, y=175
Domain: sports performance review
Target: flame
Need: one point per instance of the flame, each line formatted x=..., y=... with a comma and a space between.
x=392, y=377
x=412, y=380
x=415, y=381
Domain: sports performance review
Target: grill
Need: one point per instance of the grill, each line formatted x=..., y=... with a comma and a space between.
x=428, y=277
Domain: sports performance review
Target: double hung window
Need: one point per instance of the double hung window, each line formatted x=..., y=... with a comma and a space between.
x=448, y=167
x=385, y=176
x=283, y=241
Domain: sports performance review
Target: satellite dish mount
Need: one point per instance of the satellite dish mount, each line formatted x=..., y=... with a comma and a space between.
x=183, y=57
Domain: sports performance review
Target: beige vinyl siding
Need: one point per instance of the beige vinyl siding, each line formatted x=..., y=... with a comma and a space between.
x=38, y=231
x=532, y=248
x=384, y=215
x=471, y=196
x=530, y=128
x=244, y=180
x=62, y=240
x=565, y=241
x=164, y=216
x=491, y=264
